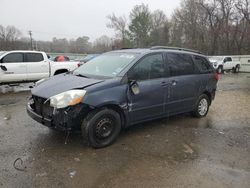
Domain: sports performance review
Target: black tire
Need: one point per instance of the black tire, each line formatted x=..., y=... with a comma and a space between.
x=101, y=128
x=220, y=70
x=198, y=112
x=236, y=69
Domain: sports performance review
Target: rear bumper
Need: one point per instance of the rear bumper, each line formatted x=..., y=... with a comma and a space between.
x=68, y=119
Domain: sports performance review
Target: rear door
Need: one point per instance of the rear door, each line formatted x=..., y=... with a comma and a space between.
x=16, y=68
x=228, y=63
x=149, y=103
x=184, y=83
x=37, y=66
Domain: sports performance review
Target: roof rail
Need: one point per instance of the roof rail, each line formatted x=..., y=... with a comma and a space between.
x=174, y=48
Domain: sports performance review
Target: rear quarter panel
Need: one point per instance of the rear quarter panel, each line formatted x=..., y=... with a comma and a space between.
x=69, y=65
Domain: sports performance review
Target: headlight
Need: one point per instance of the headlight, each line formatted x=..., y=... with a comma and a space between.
x=68, y=98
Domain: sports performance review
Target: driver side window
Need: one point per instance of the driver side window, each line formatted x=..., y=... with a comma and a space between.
x=150, y=67
x=13, y=58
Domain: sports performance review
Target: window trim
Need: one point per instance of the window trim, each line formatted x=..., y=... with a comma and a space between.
x=193, y=64
x=197, y=69
x=145, y=56
x=11, y=54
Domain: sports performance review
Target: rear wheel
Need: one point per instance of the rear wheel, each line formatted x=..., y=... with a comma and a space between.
x=101, y=128
x=236, y=69
x=202, y=106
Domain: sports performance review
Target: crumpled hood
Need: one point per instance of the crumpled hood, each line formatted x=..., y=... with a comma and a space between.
x=62, y=83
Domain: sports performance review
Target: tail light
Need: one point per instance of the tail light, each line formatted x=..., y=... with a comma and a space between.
x=216, y=76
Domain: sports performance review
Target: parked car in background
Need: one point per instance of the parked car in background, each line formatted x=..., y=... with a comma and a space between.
x=122, y=88
x=24, y=66
x=223, y=63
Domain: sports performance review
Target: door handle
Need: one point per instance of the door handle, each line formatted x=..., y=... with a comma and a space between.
x=173, y=82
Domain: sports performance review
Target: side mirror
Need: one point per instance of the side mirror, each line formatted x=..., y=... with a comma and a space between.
x=3, y=68
x=134, y=87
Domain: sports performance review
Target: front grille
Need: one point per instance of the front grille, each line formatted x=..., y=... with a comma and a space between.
x=42, y=108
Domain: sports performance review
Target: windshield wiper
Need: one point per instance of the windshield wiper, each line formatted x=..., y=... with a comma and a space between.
x=81, y=75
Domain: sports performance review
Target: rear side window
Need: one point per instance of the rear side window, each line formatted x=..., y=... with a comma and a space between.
x=34, y=57
x=228, y=59
x=150, y=67
x=180, y=64
x=13, y=58
x=202, y=64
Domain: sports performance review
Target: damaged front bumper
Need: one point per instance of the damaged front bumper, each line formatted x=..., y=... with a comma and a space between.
x=67, y=119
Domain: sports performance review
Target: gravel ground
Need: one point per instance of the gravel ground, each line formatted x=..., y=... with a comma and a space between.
x=180, y=151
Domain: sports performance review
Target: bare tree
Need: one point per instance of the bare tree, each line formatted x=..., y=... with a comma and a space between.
x=8, y=37
x=119, y=24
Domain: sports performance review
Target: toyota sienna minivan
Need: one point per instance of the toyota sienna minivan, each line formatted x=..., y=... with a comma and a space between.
x=122, y=88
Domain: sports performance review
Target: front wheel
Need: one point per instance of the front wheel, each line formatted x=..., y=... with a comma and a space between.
x=220, y=70
x=101, y=128
x=202, y=106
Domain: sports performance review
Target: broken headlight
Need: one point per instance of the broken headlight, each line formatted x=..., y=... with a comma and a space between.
x=68, y=98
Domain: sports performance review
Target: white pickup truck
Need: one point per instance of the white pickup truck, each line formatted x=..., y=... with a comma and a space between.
x=221, y=63
x=25, y=66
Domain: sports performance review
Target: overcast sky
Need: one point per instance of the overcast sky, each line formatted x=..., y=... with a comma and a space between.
x=70, y=18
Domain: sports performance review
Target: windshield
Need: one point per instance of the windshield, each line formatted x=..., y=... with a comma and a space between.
x=216, y=58
x=107, y=65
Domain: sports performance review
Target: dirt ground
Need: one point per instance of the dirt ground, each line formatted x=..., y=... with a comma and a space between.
x=180, y=151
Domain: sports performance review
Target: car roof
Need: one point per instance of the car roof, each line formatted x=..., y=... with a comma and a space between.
x=23, y=51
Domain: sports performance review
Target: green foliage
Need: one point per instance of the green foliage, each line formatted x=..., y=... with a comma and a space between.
x=140, y=25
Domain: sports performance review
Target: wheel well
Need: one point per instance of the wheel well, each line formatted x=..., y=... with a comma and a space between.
x=60, y=71
x=209, y=96
x=118, y=110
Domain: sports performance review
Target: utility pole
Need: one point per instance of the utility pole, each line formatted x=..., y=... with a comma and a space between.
x=31, y=44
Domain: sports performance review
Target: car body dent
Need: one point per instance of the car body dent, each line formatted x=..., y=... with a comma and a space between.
x=62, y=83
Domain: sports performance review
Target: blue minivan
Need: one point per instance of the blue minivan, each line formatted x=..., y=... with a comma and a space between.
x=122, y=88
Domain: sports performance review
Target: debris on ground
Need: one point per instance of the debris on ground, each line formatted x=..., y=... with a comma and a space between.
x=41, y=174
x=77, y=159
x=72, y=174
x=66, y=138
x=148, y=136
x=6, y=118
x=18, y=165
x=188, y=149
